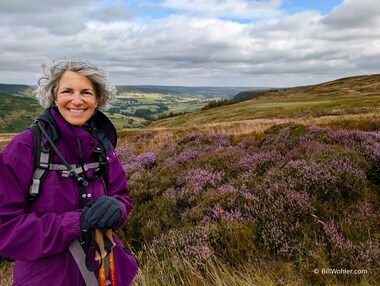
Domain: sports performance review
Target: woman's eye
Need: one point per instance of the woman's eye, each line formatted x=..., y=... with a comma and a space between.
x=88, y=93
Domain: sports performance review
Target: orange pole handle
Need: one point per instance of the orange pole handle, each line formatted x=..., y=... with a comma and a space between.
x=111, y=263
x=102, y=274
x=102, y=255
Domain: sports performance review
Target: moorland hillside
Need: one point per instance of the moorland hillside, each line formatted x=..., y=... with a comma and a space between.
x=347, y=103
x=280, y=189
x=352, y=95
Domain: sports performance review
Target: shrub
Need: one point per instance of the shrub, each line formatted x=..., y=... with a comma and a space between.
x=296, y=194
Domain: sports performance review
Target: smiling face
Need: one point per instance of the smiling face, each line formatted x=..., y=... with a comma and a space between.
x=76, y=98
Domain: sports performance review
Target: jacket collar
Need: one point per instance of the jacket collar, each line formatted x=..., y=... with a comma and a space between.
x=57, y=126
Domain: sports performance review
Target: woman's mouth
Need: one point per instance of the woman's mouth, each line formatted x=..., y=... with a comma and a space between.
x=76, y=110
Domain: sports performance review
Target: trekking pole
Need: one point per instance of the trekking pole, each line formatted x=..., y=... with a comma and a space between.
x=111, y=262
x=102, y=275
x=102, y=255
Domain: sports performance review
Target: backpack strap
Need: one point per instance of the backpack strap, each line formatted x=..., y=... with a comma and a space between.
x=80, y=258
x=41, y=163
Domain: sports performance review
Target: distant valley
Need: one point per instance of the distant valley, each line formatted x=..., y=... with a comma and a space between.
x=134, y=106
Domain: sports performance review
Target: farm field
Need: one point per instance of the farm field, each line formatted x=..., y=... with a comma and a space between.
x=149, y=106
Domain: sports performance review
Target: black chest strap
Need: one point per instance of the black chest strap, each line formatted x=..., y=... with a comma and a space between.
x=42, y=164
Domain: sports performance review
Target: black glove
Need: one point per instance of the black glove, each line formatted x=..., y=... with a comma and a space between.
x=102, y=213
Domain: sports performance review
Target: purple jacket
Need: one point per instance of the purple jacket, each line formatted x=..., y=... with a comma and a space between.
x=37, y=235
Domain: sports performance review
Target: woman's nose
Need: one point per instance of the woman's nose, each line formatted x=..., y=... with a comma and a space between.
x=77, y=98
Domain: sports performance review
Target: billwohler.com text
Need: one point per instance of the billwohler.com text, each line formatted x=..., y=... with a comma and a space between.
x=339, y=271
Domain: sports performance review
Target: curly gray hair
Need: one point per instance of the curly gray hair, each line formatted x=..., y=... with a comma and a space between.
x=48, y=84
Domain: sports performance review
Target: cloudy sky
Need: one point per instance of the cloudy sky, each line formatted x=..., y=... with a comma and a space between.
x=194, y=42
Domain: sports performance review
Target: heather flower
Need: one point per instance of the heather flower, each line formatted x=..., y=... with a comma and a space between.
x=290, y=192
x=326, y=178
x=192, y=243
x=284, y=217
x=368, y=255
x=355, y=137
x=124, y=154
x=199, y=179
x=219, y=214
x=133, y=163
x=168, y=150
x=147, y=160
x=170, y=164
x=258, y=162
x=341, y=249
x=206, y=142
x=187, y=156
x=248, y=143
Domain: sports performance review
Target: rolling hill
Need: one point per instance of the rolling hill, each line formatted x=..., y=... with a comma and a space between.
x=17, y=112
x=16, y=89
x=187, y=91
x=347, y=96
x=347, y=103
x=335, y=102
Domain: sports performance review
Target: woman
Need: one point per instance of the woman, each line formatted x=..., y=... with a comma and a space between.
x=70, y=203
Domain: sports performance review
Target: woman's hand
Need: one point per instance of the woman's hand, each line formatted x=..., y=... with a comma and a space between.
x=102, y=213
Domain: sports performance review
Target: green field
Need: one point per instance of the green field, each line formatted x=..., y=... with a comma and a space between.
x=149, y=106
x=132, y=108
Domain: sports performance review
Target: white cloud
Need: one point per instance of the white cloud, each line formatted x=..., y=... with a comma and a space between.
x=354, y=14
x=194, y=42
x=37, y=6
x=227, y=8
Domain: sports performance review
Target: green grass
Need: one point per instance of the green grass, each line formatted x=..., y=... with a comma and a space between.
x=271, y=107
x=125, y=122
x=17, y=112
x=338, y=98
x=179, y=271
